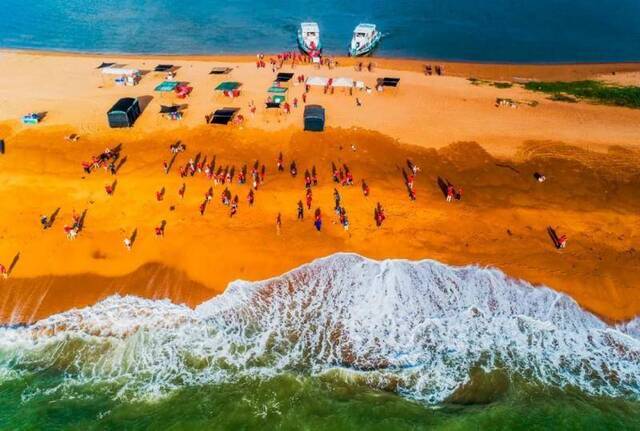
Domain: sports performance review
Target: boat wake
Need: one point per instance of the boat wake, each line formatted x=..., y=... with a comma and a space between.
x=417, y=328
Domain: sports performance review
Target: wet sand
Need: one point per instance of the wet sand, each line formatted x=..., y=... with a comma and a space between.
x=447, y=126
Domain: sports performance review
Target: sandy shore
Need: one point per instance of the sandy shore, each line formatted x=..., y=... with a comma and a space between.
x=448, y=126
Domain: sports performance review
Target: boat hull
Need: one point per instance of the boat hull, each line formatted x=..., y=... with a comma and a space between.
x=304, y=47
x=366, y=49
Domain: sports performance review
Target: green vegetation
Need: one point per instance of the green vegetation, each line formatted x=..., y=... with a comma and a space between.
x=501, y=85
x=593, y=91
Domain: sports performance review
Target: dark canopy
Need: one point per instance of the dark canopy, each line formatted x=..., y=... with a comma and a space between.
x=284, y=77
x=123, y=104
x=163, y=68
x=220, y=71
x=223, y=116
x=169, y=109
x=388, y=82
x=272, y=105
x=103, y=65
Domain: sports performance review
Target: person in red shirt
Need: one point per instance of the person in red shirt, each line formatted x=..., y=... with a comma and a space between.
x=450, y=192
x=160, y=195
x=365, y=189
x=109, y=189
x=182, y=190
x=309, y=199
x=3, y=271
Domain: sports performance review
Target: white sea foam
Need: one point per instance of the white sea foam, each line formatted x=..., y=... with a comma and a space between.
x=417, y=327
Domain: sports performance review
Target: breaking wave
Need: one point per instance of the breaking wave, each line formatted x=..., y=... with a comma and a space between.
x=417, y=328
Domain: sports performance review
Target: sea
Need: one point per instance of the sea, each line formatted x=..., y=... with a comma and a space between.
x=544, y=31
x=341, y=343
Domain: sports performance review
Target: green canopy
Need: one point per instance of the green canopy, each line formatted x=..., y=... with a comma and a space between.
x=166, y=86
x=227, y=86
x=277, y=90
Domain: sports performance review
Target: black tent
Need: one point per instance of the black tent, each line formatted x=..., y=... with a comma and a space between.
x=220, y=71
x=124, y=113
x=223, y=116
x=388, y=82
x=270, y=105
x=314, y=118
x=163, y=68
x=103, y=65
x=169, y=109
x=284, y=77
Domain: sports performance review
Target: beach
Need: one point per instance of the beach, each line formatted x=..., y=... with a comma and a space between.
x=446, y=125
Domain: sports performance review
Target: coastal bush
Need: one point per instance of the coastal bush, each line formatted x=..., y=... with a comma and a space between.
x=594, y=91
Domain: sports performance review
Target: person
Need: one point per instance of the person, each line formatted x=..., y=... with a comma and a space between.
x=234, y=206
x=304, y=97
x=109, y=189
x=410, y=179
x=209, y=195
x=182, y=190
x=202, y=207
x=295, y=102
x=159, y=230
x=44, y=221
x=336, y=198
x=280, y=162
x=127, y=243
x=3, y=271
x=250, y=197
x=562, y=241
x=365, y=189
x=293, y=169
x=450, y=192
x=309, y=199
x=314, y=175
x=307, y=179
x=358, y=102
x=278, y=223
x=160, y=195
x=317, y=222
x=379, y=214
x=300, y=211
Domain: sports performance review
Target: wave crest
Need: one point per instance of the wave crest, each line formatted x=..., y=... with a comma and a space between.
x=419, y=328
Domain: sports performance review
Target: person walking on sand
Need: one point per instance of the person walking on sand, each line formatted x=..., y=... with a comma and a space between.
x=314, y=175
x=293, y=169
x=317, y=222
x=234, y=206
x=159, y=230
x=278, y=224
x=450, y=192
x=562, y=242
x=127, y=244
x=300, y=211
x=109, y=189
x=44, y=221
x=250, y=198
x=280, y=162
x=3, y=271
x=181, y=190
x=365, y=189
x=336, y=198
x=309, y=199
x=160, y=195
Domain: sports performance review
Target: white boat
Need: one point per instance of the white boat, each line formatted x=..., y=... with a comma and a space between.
x=309, y=38
x=365, y=39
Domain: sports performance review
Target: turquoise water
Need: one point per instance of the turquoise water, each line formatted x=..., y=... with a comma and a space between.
x=491, y=30
x=342, y=343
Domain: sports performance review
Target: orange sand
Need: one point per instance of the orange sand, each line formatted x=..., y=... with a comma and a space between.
x=449, y=127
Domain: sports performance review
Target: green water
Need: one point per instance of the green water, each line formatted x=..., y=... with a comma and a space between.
x=302, y=403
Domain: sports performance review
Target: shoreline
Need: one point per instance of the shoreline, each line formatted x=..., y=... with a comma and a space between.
x=488, y=70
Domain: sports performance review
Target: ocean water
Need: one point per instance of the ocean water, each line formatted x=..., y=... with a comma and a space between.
x=341, y=343
x=490, y=30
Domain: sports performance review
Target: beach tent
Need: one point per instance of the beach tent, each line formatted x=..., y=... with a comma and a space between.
x=166, y=86
x=220, y=71
x=278, y=94
x=163, y=68
x=124, y=113
x=103, y=65
x=227, y=86
x=169, y=109
x=120, y=71
x=272, y=105
x=284, y=77
x=222, y=116
x=388, y=82
x=342, y=82
x=314, y=118
x=319, y=81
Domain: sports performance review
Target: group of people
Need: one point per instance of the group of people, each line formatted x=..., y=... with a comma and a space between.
x=342, y=176
x=106, y=159
x=72, y=230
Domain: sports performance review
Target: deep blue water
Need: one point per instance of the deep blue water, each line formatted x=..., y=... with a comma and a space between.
x=478, y=30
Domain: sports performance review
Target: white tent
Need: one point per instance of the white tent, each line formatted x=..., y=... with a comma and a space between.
x=342, y=82
x=120, y=71
x=318, y=81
